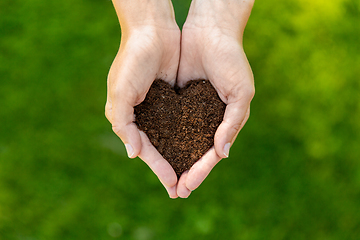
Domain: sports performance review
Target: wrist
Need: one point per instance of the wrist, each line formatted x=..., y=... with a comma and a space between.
x=135, y=14
x=230, y=15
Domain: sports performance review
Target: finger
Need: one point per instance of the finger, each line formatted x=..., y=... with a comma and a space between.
x=125, y=90
x=158, y=165
x=124, y=129
x=236, y=115
x=172, y=191
x=247, y=115
x=201, y=169
x=122, y=120
x=182, y=190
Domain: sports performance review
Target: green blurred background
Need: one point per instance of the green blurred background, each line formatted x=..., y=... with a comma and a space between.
x=293, y=173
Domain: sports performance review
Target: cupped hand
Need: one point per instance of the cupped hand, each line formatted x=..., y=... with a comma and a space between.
x=211, y=48
x=149, y=49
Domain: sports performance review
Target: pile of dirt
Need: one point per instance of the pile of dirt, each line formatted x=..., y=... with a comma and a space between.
x=181, y=122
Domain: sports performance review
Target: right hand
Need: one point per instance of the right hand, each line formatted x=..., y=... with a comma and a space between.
x=211, y=48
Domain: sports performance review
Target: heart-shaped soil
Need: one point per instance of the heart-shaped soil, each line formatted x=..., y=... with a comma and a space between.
x=181, y=123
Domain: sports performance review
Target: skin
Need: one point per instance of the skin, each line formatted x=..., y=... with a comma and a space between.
x=211, y=48
x=149, y=49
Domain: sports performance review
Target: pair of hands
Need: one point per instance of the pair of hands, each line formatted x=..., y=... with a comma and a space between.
x=211, y=48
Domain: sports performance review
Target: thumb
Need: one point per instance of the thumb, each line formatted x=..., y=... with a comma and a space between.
x=121, y=116
x=236, y=115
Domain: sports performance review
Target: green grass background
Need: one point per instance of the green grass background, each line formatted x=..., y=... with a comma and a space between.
x=293, y=173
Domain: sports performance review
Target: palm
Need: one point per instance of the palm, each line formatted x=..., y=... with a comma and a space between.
x=144, y=56
x=211, y=53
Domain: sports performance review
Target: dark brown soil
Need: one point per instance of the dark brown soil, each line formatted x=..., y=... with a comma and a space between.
x=181, y=123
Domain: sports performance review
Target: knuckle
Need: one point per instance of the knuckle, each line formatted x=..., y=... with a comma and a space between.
x=249, y=92
x=236, y=127
x=252, y=91
x=117, y=130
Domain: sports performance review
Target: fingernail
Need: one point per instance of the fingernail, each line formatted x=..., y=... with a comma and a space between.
x=129, y=150
x=227, y=149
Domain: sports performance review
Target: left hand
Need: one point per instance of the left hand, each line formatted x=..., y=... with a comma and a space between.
x=149, y=49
